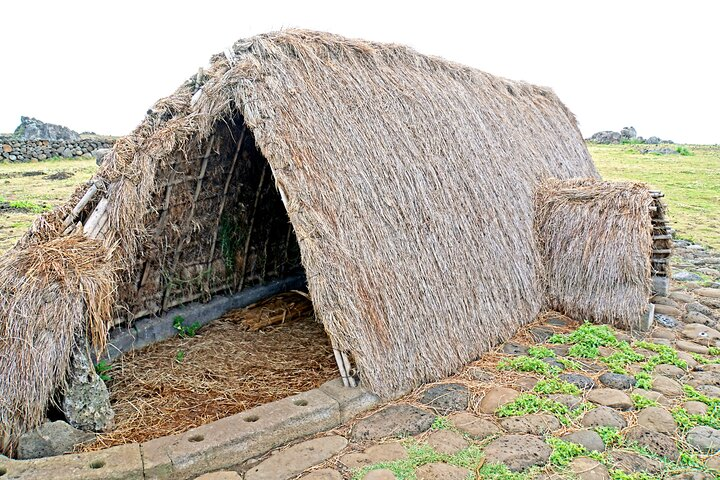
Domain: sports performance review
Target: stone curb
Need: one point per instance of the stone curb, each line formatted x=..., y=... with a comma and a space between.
x=219, y=445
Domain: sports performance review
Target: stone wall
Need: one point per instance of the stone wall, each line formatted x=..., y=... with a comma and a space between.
x=13, y=149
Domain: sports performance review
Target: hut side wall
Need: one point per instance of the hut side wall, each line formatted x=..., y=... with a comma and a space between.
x=216, y=224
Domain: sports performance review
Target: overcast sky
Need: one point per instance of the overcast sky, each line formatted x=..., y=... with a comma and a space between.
x=98, y=65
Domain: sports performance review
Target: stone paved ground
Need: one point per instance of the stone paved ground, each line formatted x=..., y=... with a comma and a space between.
x=560, y=400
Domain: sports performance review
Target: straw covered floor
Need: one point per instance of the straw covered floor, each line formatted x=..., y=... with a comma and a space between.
x=181, y=383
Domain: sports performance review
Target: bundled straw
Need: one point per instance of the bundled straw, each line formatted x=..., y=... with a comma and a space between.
x=596, y=239
x=49, y=295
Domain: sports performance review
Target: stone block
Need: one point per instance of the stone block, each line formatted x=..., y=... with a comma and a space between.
x=352, y=400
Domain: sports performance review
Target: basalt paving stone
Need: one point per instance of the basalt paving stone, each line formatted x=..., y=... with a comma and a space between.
x=518, y=452
x=446, y=398
x=441, y=471
x=289, y=463
x=384, y=452
x=394, y=421
x=477, y=427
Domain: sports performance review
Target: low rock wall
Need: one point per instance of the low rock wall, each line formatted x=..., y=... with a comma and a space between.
x=17, y=150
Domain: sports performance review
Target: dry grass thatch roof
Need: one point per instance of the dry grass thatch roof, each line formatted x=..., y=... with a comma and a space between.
x=409, y=181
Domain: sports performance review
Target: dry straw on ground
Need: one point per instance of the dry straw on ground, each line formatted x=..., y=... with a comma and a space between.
x=181, y=383
x=409, y=182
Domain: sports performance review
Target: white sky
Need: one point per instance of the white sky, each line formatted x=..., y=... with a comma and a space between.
x=99, y=65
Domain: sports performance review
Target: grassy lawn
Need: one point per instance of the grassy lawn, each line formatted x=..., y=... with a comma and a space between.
x=29, y=188
x=691, y=183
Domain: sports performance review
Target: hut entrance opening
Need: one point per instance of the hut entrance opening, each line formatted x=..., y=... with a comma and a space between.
x=220, y=229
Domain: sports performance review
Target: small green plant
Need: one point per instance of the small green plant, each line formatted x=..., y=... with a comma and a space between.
x=569, y=364
x=555, y=385
x=540, y=352
x=441, y=423
x=588, y=334
x=714, y=351
x=180, y=356
x=641, y=402
x=684, y=151
x=528, y=403
x=581, y=350
x=183, y=330
x=665, y=355
x=527, y=364
x=617, y=361
x=564, y=452
x=24, y=205
x=620, y=475
x=611, y=437
x=101, y=368
x=643, y=380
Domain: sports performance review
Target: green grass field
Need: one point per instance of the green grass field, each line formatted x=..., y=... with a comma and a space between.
x=29, y=188
x=691, y=184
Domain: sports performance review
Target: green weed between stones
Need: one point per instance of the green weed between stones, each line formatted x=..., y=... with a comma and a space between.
x=588, y=335
x=620, y=475
x=569, y=364
x=555, y=385
x=611, y=437
x=527, y=364
x=665, y=355
x=715, y=351
x=564, y=452
x=704, y=361
x=441, y=423
x=101, y=368
x=617, y=361
x=641, y=402
x=540, y=352
x=643, y=380
x=527, y=403
x=420, y=454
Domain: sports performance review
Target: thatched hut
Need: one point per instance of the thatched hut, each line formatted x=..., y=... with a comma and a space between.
x=403, y=185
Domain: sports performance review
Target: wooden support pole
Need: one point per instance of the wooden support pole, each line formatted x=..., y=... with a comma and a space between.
x=223, y=199
x=187, y=220
x=70, y=219
x=250, y=228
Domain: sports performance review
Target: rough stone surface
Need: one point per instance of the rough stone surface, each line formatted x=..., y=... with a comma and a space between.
x=447, y=442
x=518, y=452
x=697, y=317
x=535, y=424
x=476, y=427
x=705, y=439
x=570, y=401
x=441, y=471
x=225, y=475
x=630, y=462
x=666, y=386
x=683, y=276
x=323, y=474
x=581, y=381
x=670, y=371
x=289, y=463
x=668, y=310
x=33, y=129
x=525, y=384
x=511, y=348
x=693, y=476
x=657, y=419
x=603, y=417
x=709, y=390
x=587, y=438
x=617, y=381
x=610, y=397
x=497, y=397
x=381, y=474
x=654, y=396
x=709, y=292
x=50, y=439
x=393, y=421
x=682, y=297
x=693, y=407
x=658, y=443
x=696, y=331
x=481, y=375
x=585, y=468
x=384, y=452
x=86, y=401
x=446, y=398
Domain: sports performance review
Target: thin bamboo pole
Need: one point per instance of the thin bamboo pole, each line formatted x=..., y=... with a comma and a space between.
x=187, y=220
x=252, y=224
x=223, y=199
